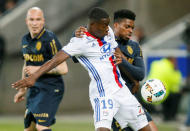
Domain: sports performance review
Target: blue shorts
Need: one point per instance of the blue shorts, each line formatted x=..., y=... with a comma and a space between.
x=42, y=104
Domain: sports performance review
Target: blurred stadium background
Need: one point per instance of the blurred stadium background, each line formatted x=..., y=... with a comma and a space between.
x=164, y=22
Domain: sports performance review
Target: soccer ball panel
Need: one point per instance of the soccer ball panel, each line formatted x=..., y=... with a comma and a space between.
x=153, y=91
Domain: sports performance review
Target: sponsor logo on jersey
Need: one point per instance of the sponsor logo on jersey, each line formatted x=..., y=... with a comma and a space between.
x=41, y=120
x=41, y=115
x=141, y=111
x=105, y=50
x=34, y=57
x=105, y=113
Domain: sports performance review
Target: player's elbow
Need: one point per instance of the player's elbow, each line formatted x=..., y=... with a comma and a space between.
x=141, y=76
x=64, y=72
x=63, y=69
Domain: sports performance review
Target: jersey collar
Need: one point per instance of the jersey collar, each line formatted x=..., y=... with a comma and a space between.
x=40, y=34
x=121, y=41
x=100, y=41
x=37, y=37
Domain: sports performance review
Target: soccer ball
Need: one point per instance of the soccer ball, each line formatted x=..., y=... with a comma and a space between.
x=153, y=91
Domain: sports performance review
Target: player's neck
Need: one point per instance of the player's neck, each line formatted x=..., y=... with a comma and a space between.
x=121, y=40
x=33, y=35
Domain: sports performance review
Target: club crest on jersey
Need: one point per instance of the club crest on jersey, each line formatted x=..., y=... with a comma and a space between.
x=38, y=45
x=129, y=49
x=105, y=50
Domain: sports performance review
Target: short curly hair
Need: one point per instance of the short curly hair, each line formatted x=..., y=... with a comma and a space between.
x=124, y=14
x=97, y=13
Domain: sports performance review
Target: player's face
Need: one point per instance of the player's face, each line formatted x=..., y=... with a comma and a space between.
x=124, y=28
x=35, y=21
x=101, y=28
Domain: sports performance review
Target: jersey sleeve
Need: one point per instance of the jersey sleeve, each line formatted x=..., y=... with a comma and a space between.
x=76, y=46
x=137, y=70
x=54, y=45
x=22, y=51
x=139, y=50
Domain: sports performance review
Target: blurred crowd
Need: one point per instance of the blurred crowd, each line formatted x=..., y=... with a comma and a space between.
x=6, y=5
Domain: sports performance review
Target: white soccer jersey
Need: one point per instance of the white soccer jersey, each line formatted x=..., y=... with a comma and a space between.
x=97, y=56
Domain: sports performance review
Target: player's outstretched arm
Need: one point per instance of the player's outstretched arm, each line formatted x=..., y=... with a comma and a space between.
x=61, y=69
x=60, y=57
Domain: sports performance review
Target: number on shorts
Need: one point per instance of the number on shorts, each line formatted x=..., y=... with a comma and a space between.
x=108, y=105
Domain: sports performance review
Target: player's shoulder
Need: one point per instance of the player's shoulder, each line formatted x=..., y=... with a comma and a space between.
x=84, y=39
x=49, y=35
x=25, y=38
x=133, y=43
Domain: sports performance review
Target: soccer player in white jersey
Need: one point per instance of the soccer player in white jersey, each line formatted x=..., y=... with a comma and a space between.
x=109, y=96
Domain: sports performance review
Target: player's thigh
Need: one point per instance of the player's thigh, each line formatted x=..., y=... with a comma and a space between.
x=41, y=128
x=153, y=126
x=145, y=128
x=130, y=112
x=151, y=123
x=104, y=109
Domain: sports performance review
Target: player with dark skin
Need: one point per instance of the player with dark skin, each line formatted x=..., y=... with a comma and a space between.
x=99, y=29
x=133, y=65
x=132, y=71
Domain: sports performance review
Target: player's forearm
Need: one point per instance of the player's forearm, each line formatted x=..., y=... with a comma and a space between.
x=23, y=73
x=23, y=76
x=137, y=70
x=55, y=61
x=61, y=69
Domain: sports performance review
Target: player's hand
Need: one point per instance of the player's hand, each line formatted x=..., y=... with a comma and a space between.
x=118, y=58
x=135, y=86
x=29, y=70
x=25, y=83
x=80, y=31
x=19, y=96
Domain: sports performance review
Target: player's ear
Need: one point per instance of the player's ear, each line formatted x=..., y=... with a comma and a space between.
x=44, y=21
x=115, y=25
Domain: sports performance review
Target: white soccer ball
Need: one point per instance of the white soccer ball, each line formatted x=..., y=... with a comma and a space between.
x=153, y=91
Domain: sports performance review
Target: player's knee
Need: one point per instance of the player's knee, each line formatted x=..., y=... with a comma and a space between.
x=42, y=128
x=28, y=129
x=31, y=127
